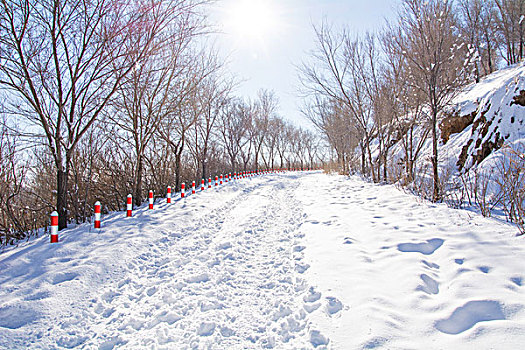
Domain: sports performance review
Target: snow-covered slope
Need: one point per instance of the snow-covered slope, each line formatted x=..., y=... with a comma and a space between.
x=496, y=117
x=481, y=119
x=297, y=260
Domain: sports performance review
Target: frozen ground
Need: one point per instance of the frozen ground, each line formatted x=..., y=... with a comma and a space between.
x=298, y=260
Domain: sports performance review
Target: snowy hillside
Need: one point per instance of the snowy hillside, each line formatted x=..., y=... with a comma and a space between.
x=296, y=260
x=481, y=119
x=495, y=112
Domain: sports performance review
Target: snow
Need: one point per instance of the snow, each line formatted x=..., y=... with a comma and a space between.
x=295, y=260
x=492, y=101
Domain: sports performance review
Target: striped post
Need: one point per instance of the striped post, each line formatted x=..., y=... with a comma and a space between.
x=209, y=182
x=234, y=176
x=193, y=187
x=54, y=227
x=97, y=214
x=221, y=180
x=150, y=199
x=202, y=185
x=182, y=190
x=129, y=206
x=168, y=195
x=216, y=181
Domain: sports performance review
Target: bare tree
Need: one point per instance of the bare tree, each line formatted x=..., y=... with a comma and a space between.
x=335, y=122
x=511, y=27
x=175, y=127
x=266, y=107
x=336, y=72
x=235, y=121
x=145, y=98
x=436, y=60
x=479, y=30
x=210, y=104
x=12, y=175
x=275, y=128
x=63, y=61
x=404, y=103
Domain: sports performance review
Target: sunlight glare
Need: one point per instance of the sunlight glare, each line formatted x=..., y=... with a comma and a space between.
x=253, y=19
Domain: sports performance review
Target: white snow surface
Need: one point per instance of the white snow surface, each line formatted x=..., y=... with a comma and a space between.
x=285, y=261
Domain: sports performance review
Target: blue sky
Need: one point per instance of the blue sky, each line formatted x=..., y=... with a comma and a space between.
x=263, y=49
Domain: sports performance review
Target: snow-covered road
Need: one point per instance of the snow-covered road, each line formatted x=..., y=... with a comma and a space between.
x=296, y=260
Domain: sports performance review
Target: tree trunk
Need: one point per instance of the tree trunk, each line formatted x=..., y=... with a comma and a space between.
x=385, y=163
x=437, y=196
x=410, y=156
x=363, y=158
x=204, y=170
x=62, y=175
x=178, y=168
x=372, y=171
x=137, y=191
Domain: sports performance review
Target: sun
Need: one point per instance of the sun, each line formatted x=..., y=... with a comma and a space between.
x=252, y=19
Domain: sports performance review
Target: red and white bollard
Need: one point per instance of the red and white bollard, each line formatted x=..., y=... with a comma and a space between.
x=129, y=206
x=221, y=180
x=97, y=214
x=230, y=177
x=182, y=190
x=193, y=187
x=168, y=195
x=202, y=185
x=54, y=227
x=209, y=182
x=216, y=181
x=150, y=198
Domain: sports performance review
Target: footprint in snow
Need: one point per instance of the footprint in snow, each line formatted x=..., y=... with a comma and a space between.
x=301, y=268
x=311, y=307
x=206, y=329
x=63, y=277
x=430, y=286
x=468, y=315
x=427, y=248
x=317, y=339
x=312, y=296
x=333, y=306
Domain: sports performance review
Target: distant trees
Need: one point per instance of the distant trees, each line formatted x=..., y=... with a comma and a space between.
x=340, y=74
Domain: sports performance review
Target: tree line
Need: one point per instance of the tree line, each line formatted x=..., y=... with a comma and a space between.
x=367, y=92
x=104, y=98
